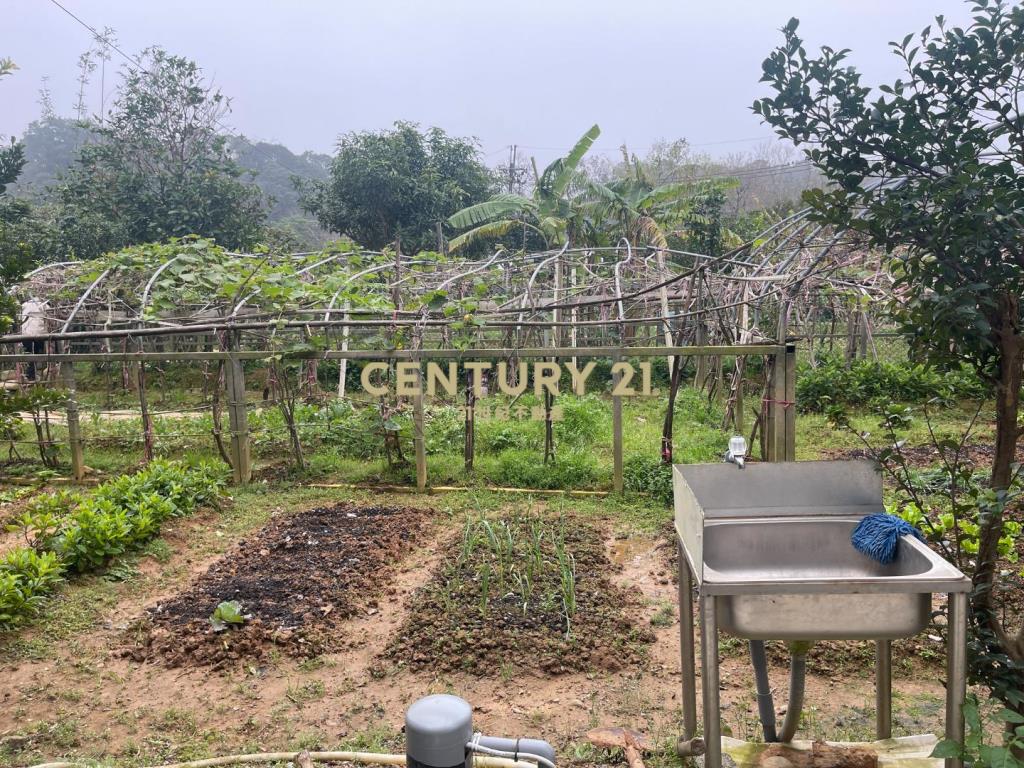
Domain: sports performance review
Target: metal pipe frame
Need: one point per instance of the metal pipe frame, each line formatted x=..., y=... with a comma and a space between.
x=710, y=681
x=883, y=689
x=956, y=672
x=687, y=649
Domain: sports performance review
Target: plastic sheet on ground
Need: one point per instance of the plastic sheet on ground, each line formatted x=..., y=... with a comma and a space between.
x=902, y=752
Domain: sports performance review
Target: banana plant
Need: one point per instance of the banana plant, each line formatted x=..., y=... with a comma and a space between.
x=551, y=211
x=635, y=208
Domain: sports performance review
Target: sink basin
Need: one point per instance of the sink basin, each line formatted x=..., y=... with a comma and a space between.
x=772, y=544
x=820, y=586
x=768, y=549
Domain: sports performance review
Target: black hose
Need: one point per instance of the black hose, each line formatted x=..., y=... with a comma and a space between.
x=765, y=705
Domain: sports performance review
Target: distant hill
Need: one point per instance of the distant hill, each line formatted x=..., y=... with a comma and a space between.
x=275, y=165
x=51, y=145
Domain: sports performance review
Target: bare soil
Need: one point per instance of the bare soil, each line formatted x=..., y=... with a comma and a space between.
x=74, y=694
x=448, y=629
x=297, y=580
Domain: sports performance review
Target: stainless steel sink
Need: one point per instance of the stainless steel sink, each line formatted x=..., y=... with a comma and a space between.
x=768, y=549
x=820, y=586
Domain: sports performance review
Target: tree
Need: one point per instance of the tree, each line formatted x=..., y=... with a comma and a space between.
x=21, y=234
x=646, y=213
x=397, y=183
x=551, y=211
x=51, y=146
x=159, y=168
x=929, y=169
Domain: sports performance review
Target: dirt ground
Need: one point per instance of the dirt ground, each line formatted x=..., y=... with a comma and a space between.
x=297, y=580
x=69, y=690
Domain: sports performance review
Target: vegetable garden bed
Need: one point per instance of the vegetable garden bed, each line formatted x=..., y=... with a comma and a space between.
x=528, y=591
x=296, y=580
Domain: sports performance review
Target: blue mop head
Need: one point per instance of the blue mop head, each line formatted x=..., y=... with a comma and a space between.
x=877, y=536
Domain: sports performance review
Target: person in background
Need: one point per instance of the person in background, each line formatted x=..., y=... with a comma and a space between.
x=33, y=323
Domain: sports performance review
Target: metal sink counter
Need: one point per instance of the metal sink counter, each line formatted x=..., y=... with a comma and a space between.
x=768, y=548
x=800, y=579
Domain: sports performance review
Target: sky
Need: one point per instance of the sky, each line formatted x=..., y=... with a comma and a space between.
x=536, y=73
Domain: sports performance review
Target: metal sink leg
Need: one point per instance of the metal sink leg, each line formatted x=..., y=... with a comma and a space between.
x=710, y=682
x=956, y=672
x=883, y=689
x=687, y=650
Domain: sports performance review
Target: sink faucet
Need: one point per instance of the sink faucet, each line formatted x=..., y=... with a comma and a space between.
x=737, y=451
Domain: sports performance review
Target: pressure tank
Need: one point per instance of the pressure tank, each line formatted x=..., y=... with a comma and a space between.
x=437, y=729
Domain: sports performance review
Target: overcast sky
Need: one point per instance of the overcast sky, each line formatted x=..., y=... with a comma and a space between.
x=532, y=72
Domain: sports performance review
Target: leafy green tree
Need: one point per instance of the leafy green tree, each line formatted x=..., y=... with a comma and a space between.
x=552, y=211
x=51, y=147
x=397, y=183
x=159, y=168
x=22, y=235
x=929, y=169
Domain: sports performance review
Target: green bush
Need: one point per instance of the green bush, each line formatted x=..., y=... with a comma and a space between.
x=647, y=474
x=26, y=577
x=585, y=420
x=71, y=532
x=526, y=469
x=494, y=436
x=863, y=382
x=445, y=427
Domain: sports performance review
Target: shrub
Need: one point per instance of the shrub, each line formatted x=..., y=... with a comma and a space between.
x=584, y=420
x=26, y=577
x=82, y=532
x=445, y=429
x=647, y=474
x=493, y=436
x=863, y=382
x=526, y=469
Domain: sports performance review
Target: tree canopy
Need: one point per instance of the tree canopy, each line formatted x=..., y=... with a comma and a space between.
x=160, y=167
x=397, y=183
x=20, y=232
x=929, y=168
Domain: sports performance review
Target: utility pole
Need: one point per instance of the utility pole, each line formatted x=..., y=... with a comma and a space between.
x=514, y=174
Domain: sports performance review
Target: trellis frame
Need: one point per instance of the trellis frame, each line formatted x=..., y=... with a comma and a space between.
x=780, y=420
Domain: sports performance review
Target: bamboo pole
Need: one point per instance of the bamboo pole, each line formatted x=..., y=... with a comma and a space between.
x=343, y=366
x=147, y=421
x=397, y=354
x=419, y=437
x=74, y=429
x=616, y=435
x=789, y=409
x=460, y=488
x=238, y=418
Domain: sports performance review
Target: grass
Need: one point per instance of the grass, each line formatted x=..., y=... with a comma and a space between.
x=160, y=735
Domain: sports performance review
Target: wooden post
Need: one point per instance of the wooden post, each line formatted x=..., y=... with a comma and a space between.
x=74, y=430
x=789, y=410
x=737, y=401
x=469, y=438
x=419, y=437
x=616, y=433
x=396, y=293
x=147, y=420
x=343, y=363
x=780, y=408
x=238, y=418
